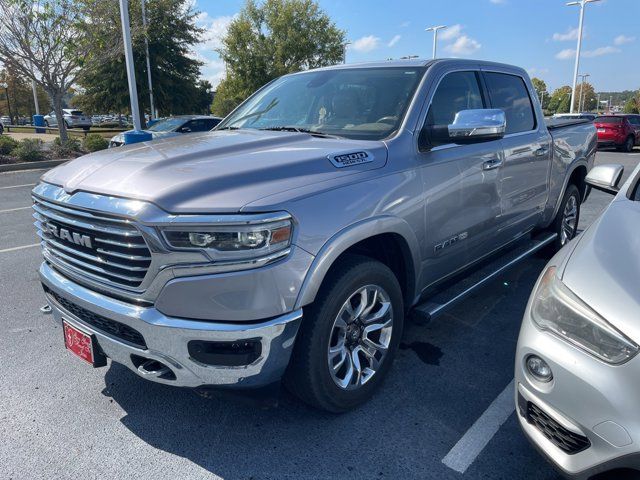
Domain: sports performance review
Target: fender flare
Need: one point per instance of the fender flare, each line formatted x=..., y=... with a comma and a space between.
x=349, y=236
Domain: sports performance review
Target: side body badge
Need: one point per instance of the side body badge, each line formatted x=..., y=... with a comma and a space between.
x=350, y=159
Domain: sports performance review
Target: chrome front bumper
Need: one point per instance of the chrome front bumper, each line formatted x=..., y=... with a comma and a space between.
x=166, y=338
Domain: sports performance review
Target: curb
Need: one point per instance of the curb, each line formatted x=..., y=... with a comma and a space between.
x=14, y=167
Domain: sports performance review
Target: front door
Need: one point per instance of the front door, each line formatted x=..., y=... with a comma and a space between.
x=461, y=186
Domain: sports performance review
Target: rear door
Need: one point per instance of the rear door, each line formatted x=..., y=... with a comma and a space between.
x=462, y=196
x=634, y=122
x=524, y=176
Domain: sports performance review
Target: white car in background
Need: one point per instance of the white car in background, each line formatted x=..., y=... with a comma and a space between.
x=72, y=119
x=174, y=126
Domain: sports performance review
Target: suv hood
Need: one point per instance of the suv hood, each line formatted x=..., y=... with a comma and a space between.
x=604, y=268
x=214, y=171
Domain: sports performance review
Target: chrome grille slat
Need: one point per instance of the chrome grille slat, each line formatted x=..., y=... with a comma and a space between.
x=118, y=256
x=83, y=224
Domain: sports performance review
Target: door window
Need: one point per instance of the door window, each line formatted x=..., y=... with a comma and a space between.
x=457, y=91
x=509, y=93
x=199, y=125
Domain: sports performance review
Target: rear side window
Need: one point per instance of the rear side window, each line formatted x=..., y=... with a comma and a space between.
x=457, y=91
x=608, y=119
x=75, y=112
x=634, y=120
x=509, y=93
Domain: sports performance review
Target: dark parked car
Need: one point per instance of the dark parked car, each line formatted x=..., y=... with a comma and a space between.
x=620, y=131
x=173, y=126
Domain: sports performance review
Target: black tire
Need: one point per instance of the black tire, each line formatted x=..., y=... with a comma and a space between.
x=628, y=144
x=66, y=124
x=308, y=375
x=46, y=124
x=557, y=226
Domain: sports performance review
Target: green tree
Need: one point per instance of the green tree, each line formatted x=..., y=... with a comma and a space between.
x=171, y=33
x=560, y=100
x=541, y=89
x=47, y=41
x=21, y=95
x=589, y=98
x=631, y=106
x=273, y=38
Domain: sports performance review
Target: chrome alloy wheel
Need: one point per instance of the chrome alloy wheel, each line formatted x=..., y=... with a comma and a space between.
x=360, y=337
x=569, y=219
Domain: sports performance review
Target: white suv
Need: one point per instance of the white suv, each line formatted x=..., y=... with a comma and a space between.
x=72, y=119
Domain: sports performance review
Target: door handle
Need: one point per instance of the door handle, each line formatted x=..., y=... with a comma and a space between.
x=491, y=164
x=542, y=151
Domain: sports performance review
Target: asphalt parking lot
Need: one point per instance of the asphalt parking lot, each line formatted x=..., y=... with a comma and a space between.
x=61, y=419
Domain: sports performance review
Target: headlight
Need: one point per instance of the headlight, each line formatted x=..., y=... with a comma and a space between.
x=557, y=309
x=237, y=241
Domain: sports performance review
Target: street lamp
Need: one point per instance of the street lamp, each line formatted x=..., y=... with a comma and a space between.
x=582, y=77
x=435, y=36
x=581, y=4
x=6, y=94
x=344, y=51
x=146, y=48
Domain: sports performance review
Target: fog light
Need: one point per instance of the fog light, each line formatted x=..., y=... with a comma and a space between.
x=539, y=369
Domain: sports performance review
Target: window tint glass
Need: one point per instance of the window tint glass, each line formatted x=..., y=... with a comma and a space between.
x=457, y=91
x=199, y=125
x=634, y=120
x=608, y=119
x=509, y=93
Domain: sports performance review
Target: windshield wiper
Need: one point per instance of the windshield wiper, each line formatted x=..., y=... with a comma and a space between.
x=292, y=128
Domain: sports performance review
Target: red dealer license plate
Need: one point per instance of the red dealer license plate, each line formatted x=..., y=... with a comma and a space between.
x=83, y=345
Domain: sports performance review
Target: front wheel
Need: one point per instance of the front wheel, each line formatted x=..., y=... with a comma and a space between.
x=567, y=218
x=348, y=337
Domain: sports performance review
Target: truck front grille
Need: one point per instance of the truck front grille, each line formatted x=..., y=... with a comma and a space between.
x=103, y=324
x=95, y=246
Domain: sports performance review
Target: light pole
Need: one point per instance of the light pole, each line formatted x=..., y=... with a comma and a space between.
x=435, y=36
x=137, y=135
x=344, y=52
x=6, y=94
x=581, y=4
x=582, y=77
x=146, y=47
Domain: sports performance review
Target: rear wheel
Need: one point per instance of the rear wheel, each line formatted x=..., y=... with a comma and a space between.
x=348, y=337
x=567, y=218
x=628, y=144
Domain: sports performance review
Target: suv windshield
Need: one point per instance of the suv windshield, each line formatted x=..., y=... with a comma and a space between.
x=358, y=103
x=167, y=125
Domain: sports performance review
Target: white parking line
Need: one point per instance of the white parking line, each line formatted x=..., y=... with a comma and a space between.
x=14, y=209
x=464, y=453
x=13, y=249
x=18, y=186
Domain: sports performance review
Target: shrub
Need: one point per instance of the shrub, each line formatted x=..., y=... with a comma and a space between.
x=94, y=142
x=7, y=145
x=66, y=149
x=29, y=150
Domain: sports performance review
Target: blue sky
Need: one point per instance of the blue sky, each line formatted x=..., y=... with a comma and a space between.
x=538, y=35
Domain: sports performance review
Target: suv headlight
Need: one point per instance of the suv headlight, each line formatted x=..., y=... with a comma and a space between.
x=557, y=309
x=232, y=241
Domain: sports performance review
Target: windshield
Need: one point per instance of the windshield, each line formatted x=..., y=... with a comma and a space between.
x=166, y=125
x=362, y=103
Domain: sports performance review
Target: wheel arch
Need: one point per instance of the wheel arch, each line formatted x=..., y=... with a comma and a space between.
x=376, y=238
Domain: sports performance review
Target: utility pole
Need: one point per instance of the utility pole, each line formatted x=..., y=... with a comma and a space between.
x=582, y=77
x=137, y=135
x=598, y=106
x=146, y=48
x=35, y=96
x=581, y=4
x=6, y=93
x=435, y=36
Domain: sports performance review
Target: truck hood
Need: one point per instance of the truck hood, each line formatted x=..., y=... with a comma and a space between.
x=216, y=171
x=604, y=268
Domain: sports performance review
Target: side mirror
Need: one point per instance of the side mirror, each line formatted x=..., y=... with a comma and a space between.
x=605, y=178
x=478, y=124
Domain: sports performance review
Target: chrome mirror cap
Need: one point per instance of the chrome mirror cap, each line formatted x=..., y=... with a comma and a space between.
x=605, y=177
x=478, y=123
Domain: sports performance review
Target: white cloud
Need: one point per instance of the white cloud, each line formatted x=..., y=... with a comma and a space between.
x=622, y=39
x=394, y=40
x=571, y=34
x=537, y=71
x=498, y=2
x=570, y=53
x=464, y=45
x=598, y=52
x=215, y=29
x=566, y=54
x=366, y=44
x=449, y=33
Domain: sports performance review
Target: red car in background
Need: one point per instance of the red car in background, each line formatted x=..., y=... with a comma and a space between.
x=620, y=131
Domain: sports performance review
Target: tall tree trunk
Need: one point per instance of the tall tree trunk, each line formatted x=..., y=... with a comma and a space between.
x=57, y=107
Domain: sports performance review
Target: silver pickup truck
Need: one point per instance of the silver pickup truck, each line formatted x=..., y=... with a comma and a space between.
x=293, y=241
